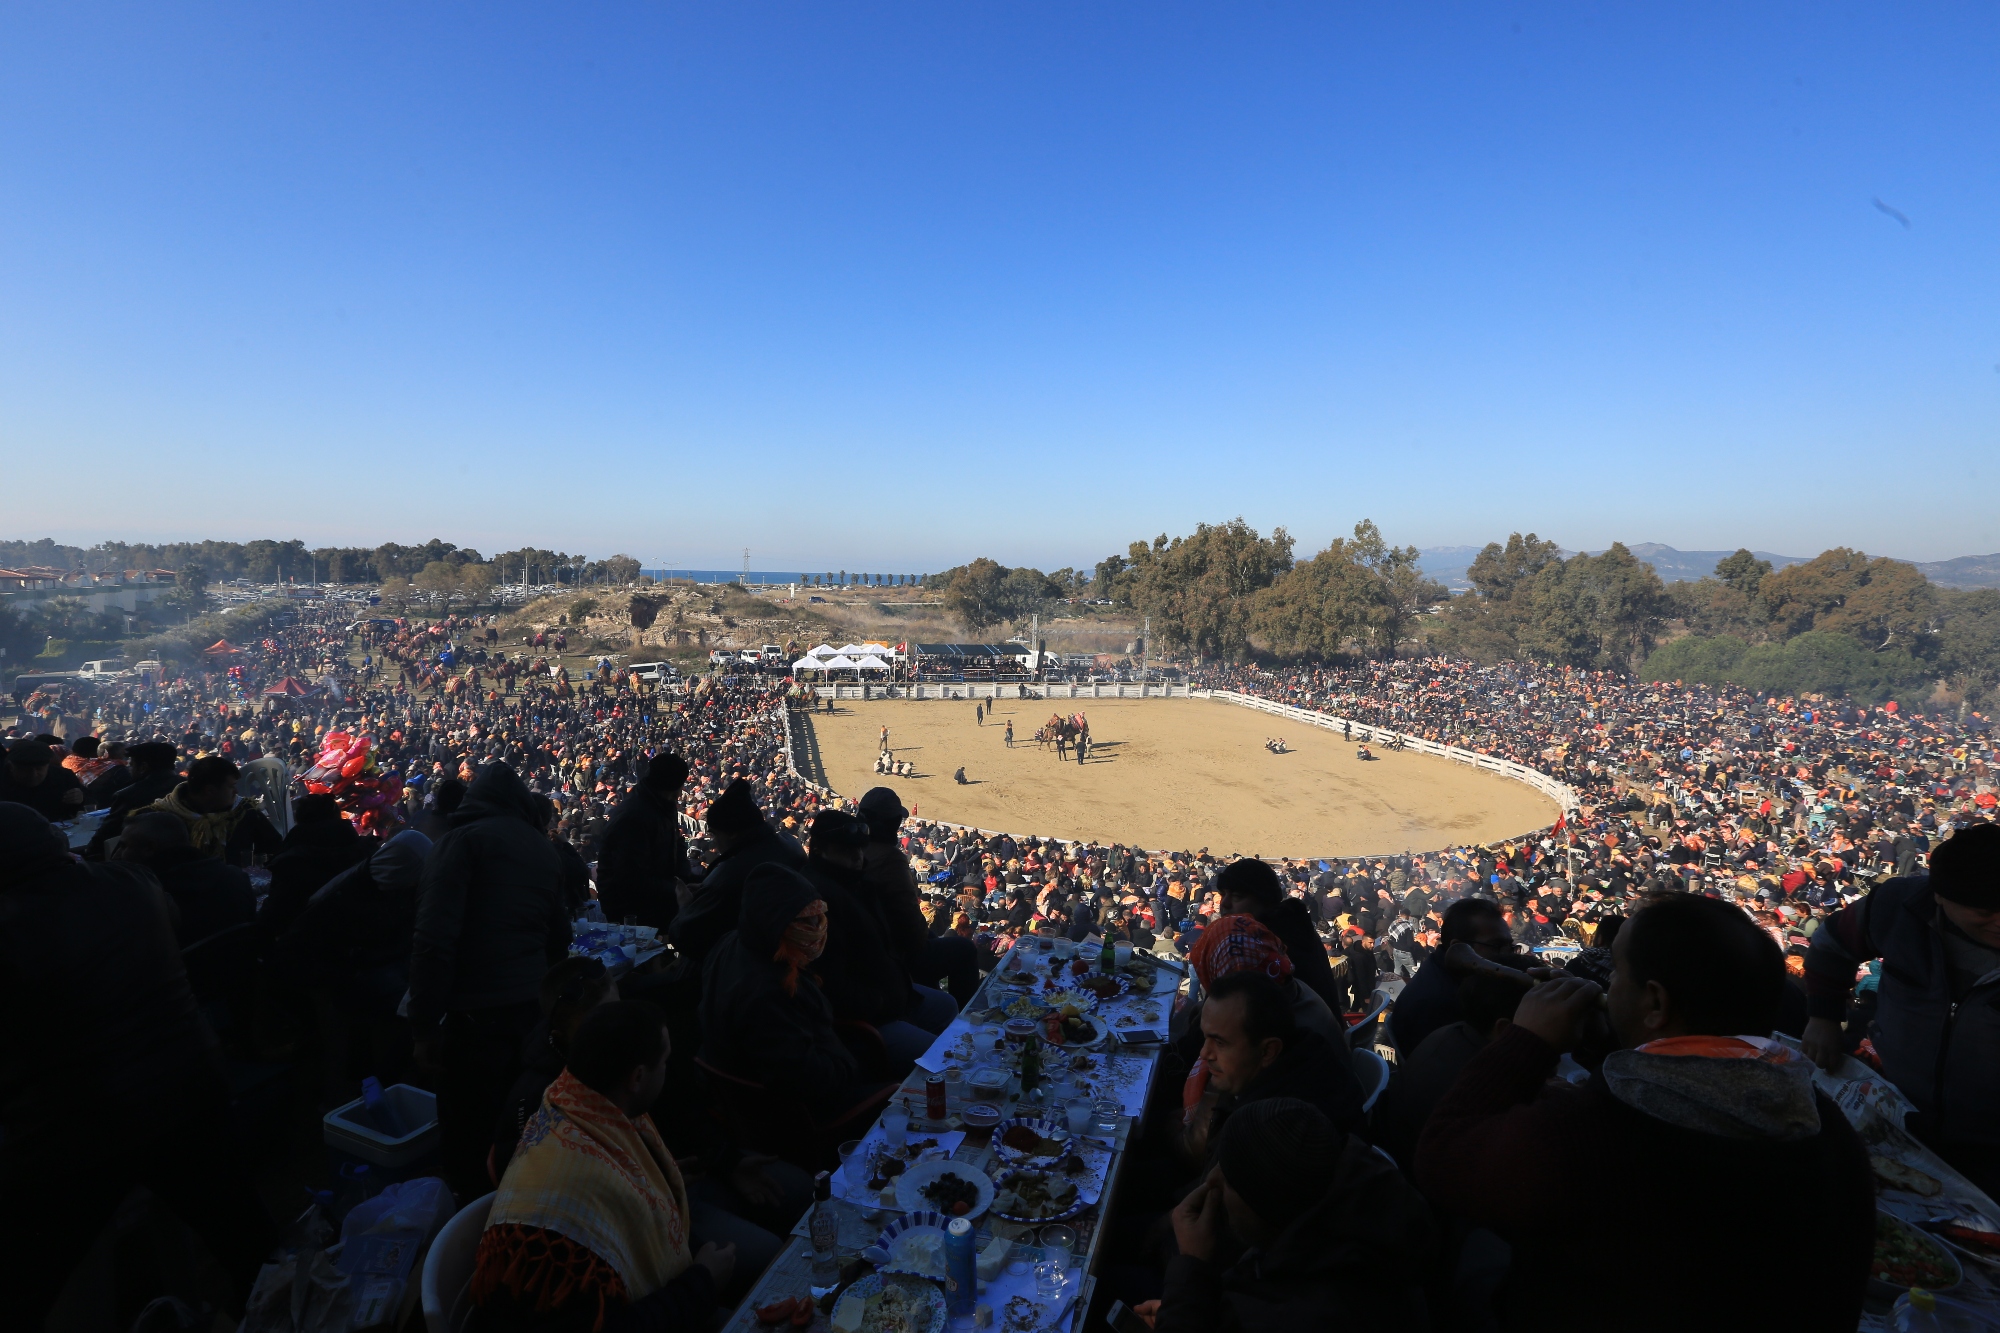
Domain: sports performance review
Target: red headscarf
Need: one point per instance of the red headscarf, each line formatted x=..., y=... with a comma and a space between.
x=1234, y=944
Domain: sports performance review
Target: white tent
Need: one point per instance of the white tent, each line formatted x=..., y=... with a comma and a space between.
x=808, y=664
x=825, y=650
x=840, y=663
x=851, y=650
x=879, y=649
x=872, y=663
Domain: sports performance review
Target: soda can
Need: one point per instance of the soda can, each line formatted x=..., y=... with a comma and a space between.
x=961, y=1267
x=936, y=1107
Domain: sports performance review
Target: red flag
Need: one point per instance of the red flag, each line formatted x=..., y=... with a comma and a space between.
x=1562, y=822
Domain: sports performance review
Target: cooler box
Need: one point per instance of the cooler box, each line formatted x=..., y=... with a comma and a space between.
x=350, y=1130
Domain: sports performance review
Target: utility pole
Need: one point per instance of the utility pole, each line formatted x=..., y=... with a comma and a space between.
x=1035, y=640
x=746, y=566
x=1145, y=646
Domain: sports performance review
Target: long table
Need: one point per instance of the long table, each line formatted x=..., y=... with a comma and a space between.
x=1132, y=1069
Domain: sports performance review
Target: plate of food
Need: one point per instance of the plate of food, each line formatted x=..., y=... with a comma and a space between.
x=1906, y=1257
x=1891, y=1174
x=914, y=1245
x=893, y=1303
x=1102, y=986
x=950, y=1188
x=1031, y=1141
x=1071, y=1031
x=1031, y=1194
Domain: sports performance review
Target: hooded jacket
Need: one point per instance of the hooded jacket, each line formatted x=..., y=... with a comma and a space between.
x=1353, y=1260
x=717, y=906
x=887, y=876
x=355, y=934
x=643, y=854
x=99, y=1032
x=311, y=855
x=1291, y=921
x=859, y=973
x=490, y=913
x=1743, y=1155
x=750, y=1026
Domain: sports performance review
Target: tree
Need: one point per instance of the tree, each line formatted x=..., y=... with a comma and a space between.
x=1742, y=571
x=1969, y=640
x=476, y=582
x=1601, y=612
x=1315, y=608
x=1399, y=590
x=1200, y=589
x=1880, y=602
x=1486, y=623
x=438, y=580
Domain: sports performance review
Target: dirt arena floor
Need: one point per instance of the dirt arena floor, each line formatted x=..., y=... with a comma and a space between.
x=1173, y=774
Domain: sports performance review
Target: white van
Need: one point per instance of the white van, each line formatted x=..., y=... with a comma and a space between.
x=653, y=672
x=104, y=668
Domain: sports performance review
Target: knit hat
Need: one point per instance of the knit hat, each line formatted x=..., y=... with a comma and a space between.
x=735, y=811
x=883, y=810
x=1238, y=944
x=837, y=828
x=1965, y=868
x=1280, y=1154
x=667, y=772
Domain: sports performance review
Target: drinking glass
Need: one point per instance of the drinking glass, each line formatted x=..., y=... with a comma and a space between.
x=895, y=1124
x=1058, y=1242
x=847, y=1151
x=1048, y=1279
x=1079, y=1114
x=1108, y=1110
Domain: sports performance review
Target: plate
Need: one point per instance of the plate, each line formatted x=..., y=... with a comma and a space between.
x=1016, y=1175
x=900, y=1233
x=1048, y=1129
x=1889, y=1227
x=924, y=1300
x=910, y=1185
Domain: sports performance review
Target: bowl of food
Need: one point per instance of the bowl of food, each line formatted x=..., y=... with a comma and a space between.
x=950, y=1189
x=1031, y=1194
x=980, y=1115
x=1031, y=1140
x=914, y=1244
x=892, y=1301
x=988, y=1085
x=1906, y=1257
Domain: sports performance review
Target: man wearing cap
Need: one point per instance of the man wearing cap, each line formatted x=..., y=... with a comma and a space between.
x=153, y=777
x=1298, y=1226
x=32, y=778
x=1938, y=1015
x=887, y=875
x=743, y=841
x=643, y=860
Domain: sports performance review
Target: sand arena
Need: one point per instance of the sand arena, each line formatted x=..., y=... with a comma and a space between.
x=1173, y=774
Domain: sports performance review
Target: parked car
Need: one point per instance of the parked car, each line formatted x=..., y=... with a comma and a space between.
x=654, y=672
x=105, y=668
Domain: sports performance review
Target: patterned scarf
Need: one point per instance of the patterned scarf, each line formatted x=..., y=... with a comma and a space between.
x=592, y=1205
x=1238, y=944
x=208, y=832
x=802, y=943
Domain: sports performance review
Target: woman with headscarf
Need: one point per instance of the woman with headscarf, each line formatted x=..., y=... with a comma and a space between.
x=763, y=1017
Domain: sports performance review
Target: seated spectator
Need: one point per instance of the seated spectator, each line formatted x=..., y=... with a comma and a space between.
x=110, y=773
x=1431, y=1000
x=763, y=1017
x=743, y=843
x=860, y=974
x=590, y=1228
x=1243, y=944
x=1253, y=1049
x=1423, y=1076
x=1330, y=1236
x=892, y=883
x=208, y=895
x=220, y=823
x=1251, y=887
x=153, y=776
x=572, y=989
x=31, y=777
x=1702, y=1126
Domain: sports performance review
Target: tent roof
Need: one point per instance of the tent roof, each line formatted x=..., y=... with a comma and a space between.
x=222, y=646
x=872, y=663
x=824, y=650
x=841, y=663
x=807, y=664
x=289, y=686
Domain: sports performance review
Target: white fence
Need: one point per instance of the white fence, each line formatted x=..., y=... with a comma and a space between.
x=1004, y=690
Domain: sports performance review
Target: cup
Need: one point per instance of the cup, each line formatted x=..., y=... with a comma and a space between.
x=1048, y=1279
x=1124, y=953
x=1065, y=948
x=1107, y=1109
x=1058, y=1242
x=895, y=1124
x=847, y=1151
x=1079, y=1115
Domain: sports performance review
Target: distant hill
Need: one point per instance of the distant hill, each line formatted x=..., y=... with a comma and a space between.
x=1447, y=564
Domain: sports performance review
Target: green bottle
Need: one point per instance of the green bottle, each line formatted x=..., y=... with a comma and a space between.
x=1107, y=957
x=1031, y=1064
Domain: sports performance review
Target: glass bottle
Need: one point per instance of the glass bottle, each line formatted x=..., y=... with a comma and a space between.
x=825, y=1231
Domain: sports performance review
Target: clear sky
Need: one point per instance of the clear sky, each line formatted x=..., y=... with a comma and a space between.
x=894, y=285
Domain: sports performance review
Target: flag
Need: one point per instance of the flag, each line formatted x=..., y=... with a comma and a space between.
x=1562, y=822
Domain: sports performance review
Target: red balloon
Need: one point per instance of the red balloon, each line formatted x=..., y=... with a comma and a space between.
x=353, y=766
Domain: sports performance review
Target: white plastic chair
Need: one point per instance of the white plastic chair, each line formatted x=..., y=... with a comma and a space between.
x=448, y=1267
x=1372, y=1071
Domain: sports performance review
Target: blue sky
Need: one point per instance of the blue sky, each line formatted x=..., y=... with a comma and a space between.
x=896, y=285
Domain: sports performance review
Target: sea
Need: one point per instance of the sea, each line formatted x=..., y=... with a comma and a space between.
x=759, y=576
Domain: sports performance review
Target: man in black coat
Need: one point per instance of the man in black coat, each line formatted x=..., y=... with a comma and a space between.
x=109, y=1078
x=153, y=776
x=1250, y=887
x=1254, y=1049
x=743, y=842
x=33, y=778
x=1431, y=1000
x=491, y=919
x=643, y=860
x=321, y=845
x=208, y=895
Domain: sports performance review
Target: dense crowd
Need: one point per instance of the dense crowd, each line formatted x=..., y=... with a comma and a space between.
x=1722, y=877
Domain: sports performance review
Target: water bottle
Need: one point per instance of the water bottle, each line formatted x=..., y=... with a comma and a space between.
x=382, y=1114
x=961, y=1267
x=825, y=1231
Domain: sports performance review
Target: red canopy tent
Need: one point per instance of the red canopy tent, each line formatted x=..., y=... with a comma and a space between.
x=290, y=687
x=220, y=648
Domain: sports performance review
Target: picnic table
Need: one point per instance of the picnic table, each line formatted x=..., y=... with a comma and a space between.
x=1115, y=1069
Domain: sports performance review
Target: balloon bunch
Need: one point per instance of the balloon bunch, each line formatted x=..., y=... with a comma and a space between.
x=347, y=769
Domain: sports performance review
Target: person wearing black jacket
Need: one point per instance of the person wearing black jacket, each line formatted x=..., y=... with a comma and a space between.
x=643, y=859
x=1251, y=887
x=352, y=945
x=320, y=846
x=33, y=778
x=109, y=1078
x=153, y=776
x=763, y=1017
x=1253, y=1049
x=743, y=842
x=491, y=919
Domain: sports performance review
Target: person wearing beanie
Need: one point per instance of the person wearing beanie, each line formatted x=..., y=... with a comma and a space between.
x=888, y=878
x=1298, y=1226
x=764, y=1017
x=743, y=841
x=1937, y=1016
x=32, y=777
x=642, y=863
